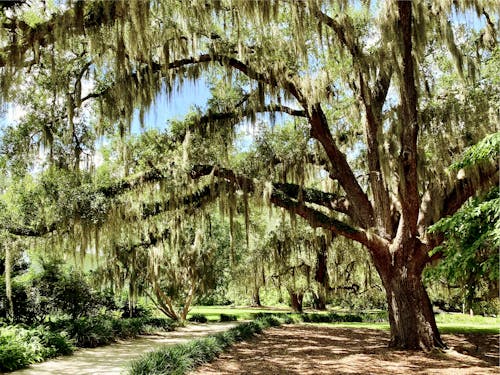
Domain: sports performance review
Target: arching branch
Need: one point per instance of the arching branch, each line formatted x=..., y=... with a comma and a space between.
x=314, y=217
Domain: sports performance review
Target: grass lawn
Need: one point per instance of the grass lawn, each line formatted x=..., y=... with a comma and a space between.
x=447, y=322
x=463, y=323
x=243, y=313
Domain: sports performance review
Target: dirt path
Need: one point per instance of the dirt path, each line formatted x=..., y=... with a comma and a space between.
x=112, y=359
x=314, y=350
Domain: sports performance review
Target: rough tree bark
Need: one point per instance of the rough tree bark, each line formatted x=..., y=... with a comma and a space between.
x=411, y=318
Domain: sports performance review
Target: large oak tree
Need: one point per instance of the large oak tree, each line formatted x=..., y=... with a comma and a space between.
x=373, y=81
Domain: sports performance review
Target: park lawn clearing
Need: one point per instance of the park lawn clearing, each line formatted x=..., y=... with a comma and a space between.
x=242, y=313
x=464, y=323
x=331, y=349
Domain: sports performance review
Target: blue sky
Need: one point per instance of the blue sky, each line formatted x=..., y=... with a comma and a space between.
x=182, y=100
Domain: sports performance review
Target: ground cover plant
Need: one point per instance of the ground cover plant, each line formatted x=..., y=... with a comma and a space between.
x=182, y=358
x=228, y=318
x=22, y=346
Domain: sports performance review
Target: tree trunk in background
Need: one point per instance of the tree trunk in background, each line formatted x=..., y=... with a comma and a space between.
x=256, y=297
x=321, y=277
x=8, y=283
x=319, y=299
x=296, y=301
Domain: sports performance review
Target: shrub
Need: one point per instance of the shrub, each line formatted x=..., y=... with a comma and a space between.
x=199, y=318
x=104, y=329
x=23, y=304
x=125, y=328
x=91, y=332
x=228, y=318
x=162, y=323
x=13, y=354
x=55, y=343
x=138, y=311
x=375, y=317
x=265, y=315
x=19, y=347
x=332, y=317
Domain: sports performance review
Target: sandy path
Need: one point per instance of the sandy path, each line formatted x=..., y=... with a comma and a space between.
x=112, y=359
x=315, y=350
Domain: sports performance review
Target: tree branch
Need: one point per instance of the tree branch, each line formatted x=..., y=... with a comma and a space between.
x=408, y=182
x=341, y=170
x=279, y=198
x=73, y=21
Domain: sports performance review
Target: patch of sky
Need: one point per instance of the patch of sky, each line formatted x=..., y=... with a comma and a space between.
x=173, y=106
x=248, y=131
x=469, y=18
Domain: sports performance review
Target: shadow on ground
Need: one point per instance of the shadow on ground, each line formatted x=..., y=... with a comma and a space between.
x=308, y=349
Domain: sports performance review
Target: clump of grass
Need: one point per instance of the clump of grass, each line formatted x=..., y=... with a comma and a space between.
x=182, y=358
x=314, y=317
x=228, y=318
x=198, y=318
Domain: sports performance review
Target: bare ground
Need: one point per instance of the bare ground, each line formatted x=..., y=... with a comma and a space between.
x=315, y=350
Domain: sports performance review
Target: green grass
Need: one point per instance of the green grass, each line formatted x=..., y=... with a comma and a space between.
x=463, y=323
x=243, y=313
x=447, y=322
x=354, y=325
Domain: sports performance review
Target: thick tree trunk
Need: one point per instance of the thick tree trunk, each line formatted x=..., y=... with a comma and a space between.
x=411, y=318
x=296, y=301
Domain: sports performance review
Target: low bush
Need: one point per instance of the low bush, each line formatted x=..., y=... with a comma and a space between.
x=331, y=317
x=20, y=347
x=375, y=317
x=182, y=358
x=138, y=311
x=89, y=332
x=198, y=318
x=162, y=323
x=228, y=318
x=334, y=317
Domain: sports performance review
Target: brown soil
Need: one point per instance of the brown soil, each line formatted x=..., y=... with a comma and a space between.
x=314, y=350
